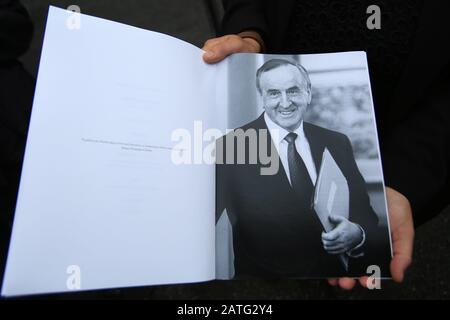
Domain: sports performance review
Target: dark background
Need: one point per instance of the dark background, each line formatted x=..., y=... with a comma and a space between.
x=196, y=21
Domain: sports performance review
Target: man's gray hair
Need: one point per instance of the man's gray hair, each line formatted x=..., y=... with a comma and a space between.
x=275, y=63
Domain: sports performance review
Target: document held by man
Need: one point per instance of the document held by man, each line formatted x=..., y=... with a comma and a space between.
x=331, y=193
x=144, y=165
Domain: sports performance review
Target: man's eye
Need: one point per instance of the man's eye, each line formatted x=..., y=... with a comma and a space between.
x=293, y=91
x=274, y=93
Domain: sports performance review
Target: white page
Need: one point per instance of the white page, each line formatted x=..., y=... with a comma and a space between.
x=98, y=188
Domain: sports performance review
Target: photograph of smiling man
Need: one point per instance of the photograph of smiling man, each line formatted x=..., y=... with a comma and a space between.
x=298, y=114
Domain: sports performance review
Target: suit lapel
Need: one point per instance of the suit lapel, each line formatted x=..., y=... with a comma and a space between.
x=315, y=144
x=281, y=176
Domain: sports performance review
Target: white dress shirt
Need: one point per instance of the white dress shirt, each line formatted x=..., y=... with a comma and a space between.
x=301, y=144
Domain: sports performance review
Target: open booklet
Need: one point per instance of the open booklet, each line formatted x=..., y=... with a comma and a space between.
x=121, y=184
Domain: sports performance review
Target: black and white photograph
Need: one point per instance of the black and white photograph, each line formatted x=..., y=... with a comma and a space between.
x=323, y=212
x=224, y=149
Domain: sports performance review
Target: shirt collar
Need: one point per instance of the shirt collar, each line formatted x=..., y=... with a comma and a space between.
x=279, y=133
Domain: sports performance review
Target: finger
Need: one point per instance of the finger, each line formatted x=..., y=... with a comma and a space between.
x=231, y=44
x=335, y=252
x=402, y=228
x=398, y=266
x=223, y=48
x=211, y=42
x=363, y=281
x=335, y=219
x=333, y=282
x=334, y=246
x=330, y=243
x=333, y=235
x=347, y=283
x=210, y=57
x=403, y=242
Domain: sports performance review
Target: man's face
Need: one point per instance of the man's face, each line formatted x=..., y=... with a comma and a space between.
x=285, y=96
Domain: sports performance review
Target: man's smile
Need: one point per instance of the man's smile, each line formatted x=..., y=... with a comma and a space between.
x=286, y=113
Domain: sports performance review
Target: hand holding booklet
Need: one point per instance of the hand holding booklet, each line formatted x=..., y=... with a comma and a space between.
x=144, y=165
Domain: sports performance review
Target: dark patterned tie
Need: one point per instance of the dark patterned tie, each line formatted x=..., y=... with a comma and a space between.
x=300, y=179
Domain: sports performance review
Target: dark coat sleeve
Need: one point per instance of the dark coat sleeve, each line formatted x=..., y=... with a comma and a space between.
x=16, y=85
x=361, y=211
x=16, y=93
x=241, y=15
x=269, y=18
x=416, y=156
x=16, y=30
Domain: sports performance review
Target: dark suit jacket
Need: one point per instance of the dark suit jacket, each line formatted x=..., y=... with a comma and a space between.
x=272, y=236
x=415, y=125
